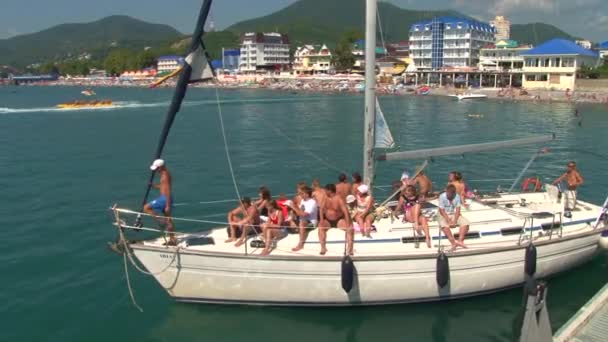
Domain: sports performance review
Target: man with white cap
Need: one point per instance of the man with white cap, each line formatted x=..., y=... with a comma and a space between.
x=163, y=203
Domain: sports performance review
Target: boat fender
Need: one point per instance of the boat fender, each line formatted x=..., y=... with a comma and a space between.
x=348, y=271
x=530, y=263
x=603, y=242
x=443, y=270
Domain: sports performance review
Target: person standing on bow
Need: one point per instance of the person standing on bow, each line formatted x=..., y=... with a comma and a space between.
x=574, y=180
x=163, y=203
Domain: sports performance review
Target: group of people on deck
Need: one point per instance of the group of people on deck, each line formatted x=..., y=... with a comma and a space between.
x=345, y=205
x=348, y=206
x=339, y=205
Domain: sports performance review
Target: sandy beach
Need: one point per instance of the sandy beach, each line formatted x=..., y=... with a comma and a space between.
x=590, y=91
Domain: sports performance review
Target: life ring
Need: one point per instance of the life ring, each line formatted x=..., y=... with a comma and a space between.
x=525, y=185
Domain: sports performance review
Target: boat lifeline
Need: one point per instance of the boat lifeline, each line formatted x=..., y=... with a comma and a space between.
x=513, y=236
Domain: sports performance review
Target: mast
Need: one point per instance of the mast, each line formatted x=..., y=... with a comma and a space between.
x=370, y=92
x=181, y=87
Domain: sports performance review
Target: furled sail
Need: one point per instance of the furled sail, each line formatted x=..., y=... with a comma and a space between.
x=384, y=138
x=461, y=149
x=196, y=68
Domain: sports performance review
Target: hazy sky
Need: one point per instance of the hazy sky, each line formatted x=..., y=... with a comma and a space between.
x=585, y=18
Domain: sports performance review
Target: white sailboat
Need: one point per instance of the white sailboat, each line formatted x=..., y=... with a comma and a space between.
x=469, y=96
x=512, y=236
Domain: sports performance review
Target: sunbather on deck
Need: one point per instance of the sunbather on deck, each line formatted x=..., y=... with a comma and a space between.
x=274, y=228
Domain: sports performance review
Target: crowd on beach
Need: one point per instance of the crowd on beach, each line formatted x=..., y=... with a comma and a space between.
x=353, y=84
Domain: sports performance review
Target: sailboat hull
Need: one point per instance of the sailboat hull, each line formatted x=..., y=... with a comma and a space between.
x=312, y=281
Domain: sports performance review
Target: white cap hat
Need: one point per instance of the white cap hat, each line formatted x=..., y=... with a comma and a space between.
x=350, y=199
x=405, y=175
x=156, y=164
x=363, y=188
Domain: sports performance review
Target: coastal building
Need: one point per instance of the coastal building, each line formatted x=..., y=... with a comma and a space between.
x=231, y=59
x=264, y=51
x=502, y=26
x=603, y=49
x=504, y=56
x=168, y=64
x=554, y=64
x=358, y=52
x=311, y=59
x=449, y=42
x=584, y=43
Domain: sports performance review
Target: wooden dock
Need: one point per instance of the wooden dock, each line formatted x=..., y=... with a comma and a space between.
x=590, y=323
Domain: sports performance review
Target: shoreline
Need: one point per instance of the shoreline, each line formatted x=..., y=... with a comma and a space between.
x=352, y=86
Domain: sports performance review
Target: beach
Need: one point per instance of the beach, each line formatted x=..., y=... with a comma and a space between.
x=590, y=91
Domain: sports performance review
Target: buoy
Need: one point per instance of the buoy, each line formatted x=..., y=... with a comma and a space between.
x=348, y=270
x=603, y=242
x=530, y=263
x=443, y=270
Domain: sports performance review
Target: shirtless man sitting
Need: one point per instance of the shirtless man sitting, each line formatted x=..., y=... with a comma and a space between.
x=243, y=218
x=425, y=186
x=574, y=180
x=334, y=214
x=343, y=188
x=164, y=203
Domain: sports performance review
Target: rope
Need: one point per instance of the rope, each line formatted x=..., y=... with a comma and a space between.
x=229, y=159
x=303, y=149
x=124, y=258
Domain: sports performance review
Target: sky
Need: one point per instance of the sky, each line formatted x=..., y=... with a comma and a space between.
x=583, y=18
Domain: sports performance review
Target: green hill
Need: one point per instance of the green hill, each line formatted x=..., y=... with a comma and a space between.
x=96, y=38
x=537, y=33
x=323, y=21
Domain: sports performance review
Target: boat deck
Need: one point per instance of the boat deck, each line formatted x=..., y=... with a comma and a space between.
x=496, y=221
x=590, y=323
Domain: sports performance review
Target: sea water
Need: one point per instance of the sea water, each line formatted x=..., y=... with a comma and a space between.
x=61, y=170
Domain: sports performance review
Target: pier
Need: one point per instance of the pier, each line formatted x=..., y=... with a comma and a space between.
x=590, y=323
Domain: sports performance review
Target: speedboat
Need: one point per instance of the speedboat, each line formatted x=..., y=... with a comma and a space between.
x=88, y=92
x=469, y=96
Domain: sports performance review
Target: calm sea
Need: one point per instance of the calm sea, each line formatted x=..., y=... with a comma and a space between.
x=61, y=170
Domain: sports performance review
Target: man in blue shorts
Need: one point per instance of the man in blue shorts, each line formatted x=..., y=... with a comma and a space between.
x=164, y=203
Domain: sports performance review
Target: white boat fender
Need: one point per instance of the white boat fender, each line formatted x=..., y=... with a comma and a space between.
x=443, y=270
x=603, y=242
x=530, y=262
x=348, y=273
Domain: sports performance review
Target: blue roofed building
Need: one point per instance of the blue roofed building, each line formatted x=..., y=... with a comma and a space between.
x=554, y=64
x=230, y=59
x=449, y=42
x=603, y=48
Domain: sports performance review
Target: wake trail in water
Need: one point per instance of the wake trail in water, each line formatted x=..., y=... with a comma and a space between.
x=135, y=105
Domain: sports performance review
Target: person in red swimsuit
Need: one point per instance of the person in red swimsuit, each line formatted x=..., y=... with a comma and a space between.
x=274, y=227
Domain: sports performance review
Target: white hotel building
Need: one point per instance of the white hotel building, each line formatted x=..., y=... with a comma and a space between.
x=448, y=42
x=264, y=51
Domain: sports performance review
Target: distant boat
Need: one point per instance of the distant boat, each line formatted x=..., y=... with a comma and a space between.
x=88, y=92
x=469, y=96
x=424, y=90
